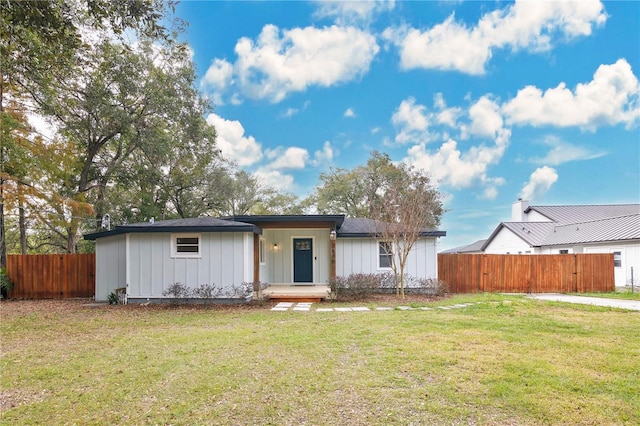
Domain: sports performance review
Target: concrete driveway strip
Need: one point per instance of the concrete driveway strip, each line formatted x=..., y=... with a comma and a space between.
x=633, y=305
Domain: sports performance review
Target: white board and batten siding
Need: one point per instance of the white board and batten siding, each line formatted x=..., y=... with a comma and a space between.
x=111, y=273
x=225, y=259
x=279, y=262
x=360, y=255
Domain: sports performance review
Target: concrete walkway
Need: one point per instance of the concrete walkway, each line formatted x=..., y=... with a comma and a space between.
x=306, y=307
x=596, y=301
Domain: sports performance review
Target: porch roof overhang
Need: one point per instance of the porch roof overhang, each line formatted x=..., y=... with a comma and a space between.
x=201, y=224
x=293, y=221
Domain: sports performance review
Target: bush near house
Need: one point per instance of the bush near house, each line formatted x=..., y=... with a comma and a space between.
x=360, y=285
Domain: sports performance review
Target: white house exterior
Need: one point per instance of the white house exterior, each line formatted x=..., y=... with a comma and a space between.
x=300, y=250
x=573, y=229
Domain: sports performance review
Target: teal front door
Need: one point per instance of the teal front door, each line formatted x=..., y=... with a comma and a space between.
x=302, y=260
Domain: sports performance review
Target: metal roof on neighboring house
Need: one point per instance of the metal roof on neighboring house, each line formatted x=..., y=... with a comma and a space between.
x=575, y=225
x=471, y=248
x=533, y=233
x=609, y=229
x=585, y=213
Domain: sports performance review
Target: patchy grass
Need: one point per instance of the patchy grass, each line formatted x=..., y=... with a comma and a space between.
x=620, y=293
x=504, y=360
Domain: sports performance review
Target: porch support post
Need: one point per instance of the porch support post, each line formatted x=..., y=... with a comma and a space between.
x=332, y=259
x=256, y=258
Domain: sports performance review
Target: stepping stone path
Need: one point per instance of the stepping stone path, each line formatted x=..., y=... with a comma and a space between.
x=306, y=307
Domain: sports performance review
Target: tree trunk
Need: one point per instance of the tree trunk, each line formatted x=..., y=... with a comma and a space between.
x=3, y=243
x=22, y=224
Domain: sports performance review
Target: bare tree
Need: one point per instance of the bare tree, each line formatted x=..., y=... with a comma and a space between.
x=409, y=208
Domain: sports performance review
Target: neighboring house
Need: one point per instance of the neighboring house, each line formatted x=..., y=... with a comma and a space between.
x=145, y=258
x=473, y=248
x=573, y=229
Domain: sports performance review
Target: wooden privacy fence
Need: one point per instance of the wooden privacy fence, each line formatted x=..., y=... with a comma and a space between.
x=52, y=276
x=538, y=273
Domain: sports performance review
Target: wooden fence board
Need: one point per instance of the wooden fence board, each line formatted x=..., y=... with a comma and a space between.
x=561, y=273
x=52, y=276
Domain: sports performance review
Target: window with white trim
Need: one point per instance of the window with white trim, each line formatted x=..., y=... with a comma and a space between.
x=185, y=245
x=617, y=259
x=563, y=251
x=385, y=255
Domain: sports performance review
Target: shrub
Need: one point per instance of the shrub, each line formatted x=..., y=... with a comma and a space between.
x=258, y=288
x=178, y=291
x=358, y=285
x=112, y=298
x=433, y=286
x=206, y=291
x=241, y=291
x=5, y=283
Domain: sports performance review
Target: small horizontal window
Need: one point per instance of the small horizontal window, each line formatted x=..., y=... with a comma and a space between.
x=185, y=245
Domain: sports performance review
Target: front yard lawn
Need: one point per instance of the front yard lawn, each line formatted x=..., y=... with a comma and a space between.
x=502, y=360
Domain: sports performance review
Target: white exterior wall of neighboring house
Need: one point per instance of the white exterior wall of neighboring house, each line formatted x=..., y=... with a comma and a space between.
x=225, y=259
x=629, y=253
x=506, y=242
x=534, y=216
x=571, y=249
x=360, y=255
x=278, y=268
x=111, y=255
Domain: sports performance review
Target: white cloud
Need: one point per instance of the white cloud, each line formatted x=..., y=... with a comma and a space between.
x=539, y=183
x=411, y=121
x=446, y=116
x=281, y=62
x=564, y=152
x=528, y=25
x=217, y=79
x=449, y=165
x=349, y=113
x=323, y=155
x=290, y=112
x=352, y=12
x=612, y=97
x=274, y=179
x=486, y=118
x=235, y=146
x=218, y=74
x=290, y=158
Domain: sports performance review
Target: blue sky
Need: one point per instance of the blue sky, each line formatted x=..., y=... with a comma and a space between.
x=495, y=100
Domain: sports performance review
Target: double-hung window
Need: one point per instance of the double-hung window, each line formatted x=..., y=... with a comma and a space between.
x=385, y=254
x=185, y=245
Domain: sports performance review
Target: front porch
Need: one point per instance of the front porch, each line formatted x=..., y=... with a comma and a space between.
x=297, y=293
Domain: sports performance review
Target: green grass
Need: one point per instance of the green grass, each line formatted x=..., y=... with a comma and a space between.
x=620, y=293
x=504, y=360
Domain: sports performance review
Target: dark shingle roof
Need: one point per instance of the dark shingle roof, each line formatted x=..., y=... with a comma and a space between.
x=357, y=227
x=196, y=224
